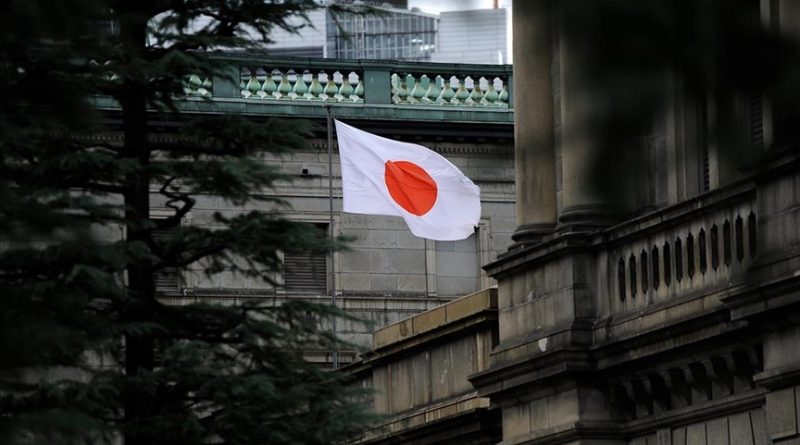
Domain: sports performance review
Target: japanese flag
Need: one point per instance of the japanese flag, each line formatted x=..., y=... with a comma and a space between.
x=385, y=177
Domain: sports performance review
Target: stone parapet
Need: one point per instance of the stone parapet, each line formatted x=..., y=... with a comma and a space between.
x=419, y=368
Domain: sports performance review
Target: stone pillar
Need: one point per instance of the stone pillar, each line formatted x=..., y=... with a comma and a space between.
x=583, y=206
x=533, y=121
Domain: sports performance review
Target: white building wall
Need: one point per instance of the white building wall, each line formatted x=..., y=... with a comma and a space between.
x=312, y=35
x=476, y=36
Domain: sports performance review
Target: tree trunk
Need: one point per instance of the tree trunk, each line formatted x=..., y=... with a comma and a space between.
x=139, y=401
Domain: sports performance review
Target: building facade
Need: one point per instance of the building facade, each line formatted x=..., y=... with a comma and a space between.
x=393, y=32
x=389, y=32
x=669, y=317
x=472, y=36
x=387, y=274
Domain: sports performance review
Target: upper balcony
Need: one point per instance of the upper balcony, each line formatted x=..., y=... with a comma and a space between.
x=354, y=89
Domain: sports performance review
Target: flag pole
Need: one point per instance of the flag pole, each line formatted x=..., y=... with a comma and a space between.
x=330, y=226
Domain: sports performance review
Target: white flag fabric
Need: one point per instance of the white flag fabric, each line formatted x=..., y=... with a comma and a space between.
x=385, y=177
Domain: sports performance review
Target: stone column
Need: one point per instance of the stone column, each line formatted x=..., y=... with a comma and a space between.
x=583, y=206
x=533, y=121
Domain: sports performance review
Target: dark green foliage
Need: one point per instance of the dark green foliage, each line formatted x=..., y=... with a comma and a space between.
x=88, y=353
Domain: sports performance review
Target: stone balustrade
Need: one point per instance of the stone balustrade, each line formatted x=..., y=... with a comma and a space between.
x=679, y=252
x=450, y=90
x=193, y=85
x=331, y=81
x=641, y=274
x=301, y=84
x=255, y=85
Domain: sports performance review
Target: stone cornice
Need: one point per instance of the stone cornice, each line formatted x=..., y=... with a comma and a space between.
x=542, y=370
x=471, y=149
x=468, y=149
x=452, y=421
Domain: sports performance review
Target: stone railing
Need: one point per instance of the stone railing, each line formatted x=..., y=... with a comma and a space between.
x=301, y=84
x=332, y=81
x=459, y=90
x=193, y=85
x=679, y=251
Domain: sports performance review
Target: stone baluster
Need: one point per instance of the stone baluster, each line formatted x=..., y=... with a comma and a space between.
x=330, y=89
x=395, y=87
x=476, y=95
x=462, y=95
x=269, y=87
x=433, y=92
x=193, y=85
x=206, y=90
x=338, y=79
x=284, y=88
x=315, y=90
x=446, y=97
x=402, y=90
x=503, y=96
x=491, y=95
x=262, y=76
x=346, y=90
x=252, y=88
x=300, y=88
x=418, y=92
x=359, y=91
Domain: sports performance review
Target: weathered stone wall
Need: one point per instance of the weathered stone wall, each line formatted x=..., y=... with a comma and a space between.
x=419, y=369
x=388, y=274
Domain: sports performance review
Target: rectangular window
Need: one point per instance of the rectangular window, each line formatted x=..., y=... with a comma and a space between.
x=306, y=272
x=167, y=280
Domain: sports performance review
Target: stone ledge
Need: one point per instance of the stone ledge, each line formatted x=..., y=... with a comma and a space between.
x=461, y=406
x=779, y=377
x=437, y=318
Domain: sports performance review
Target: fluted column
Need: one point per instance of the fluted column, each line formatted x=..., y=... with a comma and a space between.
x=583, y=204
x=533, y=121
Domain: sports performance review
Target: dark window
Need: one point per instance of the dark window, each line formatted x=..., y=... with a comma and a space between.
x=751, y=234
x=667, y=264
x=701, y=244
x=621, y=278
x=678, y=260
x=726, y=242
x=714, y=247
x=656, y=274
x=632, y=271
x=690, y=255
x=739, y=239
x=307, y=272
x=643, y=263
x=167, y=280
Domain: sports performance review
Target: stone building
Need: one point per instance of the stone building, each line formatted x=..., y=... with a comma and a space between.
x=460, y=111
x=678, y=325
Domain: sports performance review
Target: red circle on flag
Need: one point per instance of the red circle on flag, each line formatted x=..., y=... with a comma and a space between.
x=410, y=186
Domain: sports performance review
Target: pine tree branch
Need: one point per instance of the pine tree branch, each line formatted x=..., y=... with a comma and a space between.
x=180, y=212
x=196, y=256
